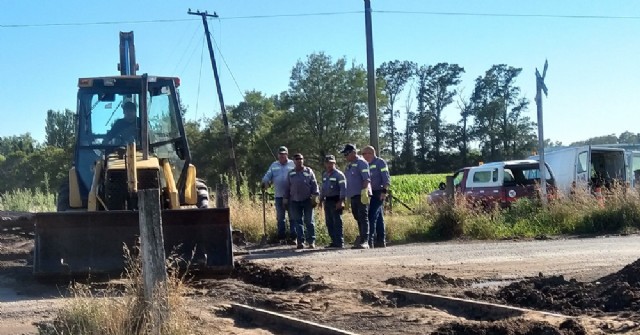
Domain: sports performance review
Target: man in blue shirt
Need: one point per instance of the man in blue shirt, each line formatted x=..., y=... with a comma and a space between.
x=332, y=195
x=278, y=176
x=358, y=192
x=302, y=196
x=380, y=182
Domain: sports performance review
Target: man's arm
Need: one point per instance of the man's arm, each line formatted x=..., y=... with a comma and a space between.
x=364, y=172
x=268, y=176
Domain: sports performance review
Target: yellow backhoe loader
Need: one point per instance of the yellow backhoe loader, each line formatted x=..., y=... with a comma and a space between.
x=129, y=136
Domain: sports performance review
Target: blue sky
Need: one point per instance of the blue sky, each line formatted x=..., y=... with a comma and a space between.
x=593, y=63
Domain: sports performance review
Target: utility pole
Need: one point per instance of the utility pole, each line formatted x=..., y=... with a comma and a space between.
x=371, y=79
x=541, y=87
x=225, y=121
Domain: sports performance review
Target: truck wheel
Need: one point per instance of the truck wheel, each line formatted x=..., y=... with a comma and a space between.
x=203, y=194
x=62, y=203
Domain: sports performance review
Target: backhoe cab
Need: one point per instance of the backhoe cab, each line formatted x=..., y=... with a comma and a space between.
x=129, y=136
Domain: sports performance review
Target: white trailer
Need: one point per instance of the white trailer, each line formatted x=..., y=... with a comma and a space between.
x=585, y=165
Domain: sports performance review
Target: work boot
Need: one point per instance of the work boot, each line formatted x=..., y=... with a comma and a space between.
x=382, y=244
x=361, y=246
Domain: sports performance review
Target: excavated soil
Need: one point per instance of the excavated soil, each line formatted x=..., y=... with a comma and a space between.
x=428, y=282
x=512, y=327
x=616, y=292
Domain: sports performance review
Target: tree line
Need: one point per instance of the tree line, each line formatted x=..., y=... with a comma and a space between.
x=324, y=107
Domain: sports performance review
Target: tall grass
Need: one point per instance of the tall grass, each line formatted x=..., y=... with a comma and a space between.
x=122, y=311
x=25, y=200
x=581, y=213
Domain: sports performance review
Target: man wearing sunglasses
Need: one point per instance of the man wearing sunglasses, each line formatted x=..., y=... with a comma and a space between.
x=358, y=192
x=278, y=176
x=302, y=196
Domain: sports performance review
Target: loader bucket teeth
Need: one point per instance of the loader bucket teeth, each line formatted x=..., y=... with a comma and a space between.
x=76, y=244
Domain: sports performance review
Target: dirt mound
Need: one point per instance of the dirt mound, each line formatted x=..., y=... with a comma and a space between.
x=614, y=293
x=283, y=279
x=511, y=327
x=427, y=281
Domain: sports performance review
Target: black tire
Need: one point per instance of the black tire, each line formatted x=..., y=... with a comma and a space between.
x=203, y=194
x=62, y=201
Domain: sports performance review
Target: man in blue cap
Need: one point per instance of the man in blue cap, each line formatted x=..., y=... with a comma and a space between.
x=358, y=192
x=278, y=176
x=332, y=195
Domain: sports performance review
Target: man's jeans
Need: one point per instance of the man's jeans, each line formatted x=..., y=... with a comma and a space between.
x=281, y=223
x=333, y=219
x=360, y=213
x=376, y=218
x=301, y=211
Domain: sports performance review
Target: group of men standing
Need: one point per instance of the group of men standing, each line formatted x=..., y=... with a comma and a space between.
x=362, y=187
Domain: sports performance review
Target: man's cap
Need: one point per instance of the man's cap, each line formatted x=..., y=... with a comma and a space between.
x=348, y=148
x=330, y=158
x=283, y=150
x=129, y=105
x=298, y=155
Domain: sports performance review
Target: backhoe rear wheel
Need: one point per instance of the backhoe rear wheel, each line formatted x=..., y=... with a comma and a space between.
x=203, y=194
x=62, y=201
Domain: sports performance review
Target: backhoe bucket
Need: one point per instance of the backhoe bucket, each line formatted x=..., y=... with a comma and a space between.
x=91, y=243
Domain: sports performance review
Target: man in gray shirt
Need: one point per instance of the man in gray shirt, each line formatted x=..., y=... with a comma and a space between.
x=358, y=192
x=301, y=197
x=380, y=182
x=278, y=176
x=332, y=195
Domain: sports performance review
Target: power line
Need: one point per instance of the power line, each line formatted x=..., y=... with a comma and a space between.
x=61, y=24
x=552, y=16
x=556, y=16
x=227, y=66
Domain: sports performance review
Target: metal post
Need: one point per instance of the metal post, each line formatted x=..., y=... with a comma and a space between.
x=541, y=87
x=371, y=79
x=225, y=121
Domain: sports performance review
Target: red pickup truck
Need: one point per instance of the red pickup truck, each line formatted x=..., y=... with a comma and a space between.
x=497, y=183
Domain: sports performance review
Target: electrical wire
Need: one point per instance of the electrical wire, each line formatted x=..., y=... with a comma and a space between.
x=184, y=51
x=556, y=16
x=62, y=24
x=227, y=66
x=200, y=76
x=551, y=16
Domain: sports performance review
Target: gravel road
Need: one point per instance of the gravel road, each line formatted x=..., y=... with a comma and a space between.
x=22, y=302
x=581, y=258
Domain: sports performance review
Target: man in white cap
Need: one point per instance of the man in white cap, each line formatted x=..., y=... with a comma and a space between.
x=278, y=176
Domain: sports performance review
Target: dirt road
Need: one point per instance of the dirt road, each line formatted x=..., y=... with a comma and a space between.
x=343, y=287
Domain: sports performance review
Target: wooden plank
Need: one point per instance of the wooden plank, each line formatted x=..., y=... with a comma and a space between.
x=266, y=318
x=484, y=309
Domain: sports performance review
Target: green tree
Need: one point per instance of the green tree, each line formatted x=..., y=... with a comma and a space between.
x=437, y=87
x=495, y=125
x=396, y=74
x=60, y=129
x=329, y=105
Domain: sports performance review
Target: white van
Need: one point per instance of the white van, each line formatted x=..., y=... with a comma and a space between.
x=586, y=166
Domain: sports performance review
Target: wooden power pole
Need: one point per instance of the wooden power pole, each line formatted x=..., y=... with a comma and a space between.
x=540, y=88
x=371, y=79
x=225, y=121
